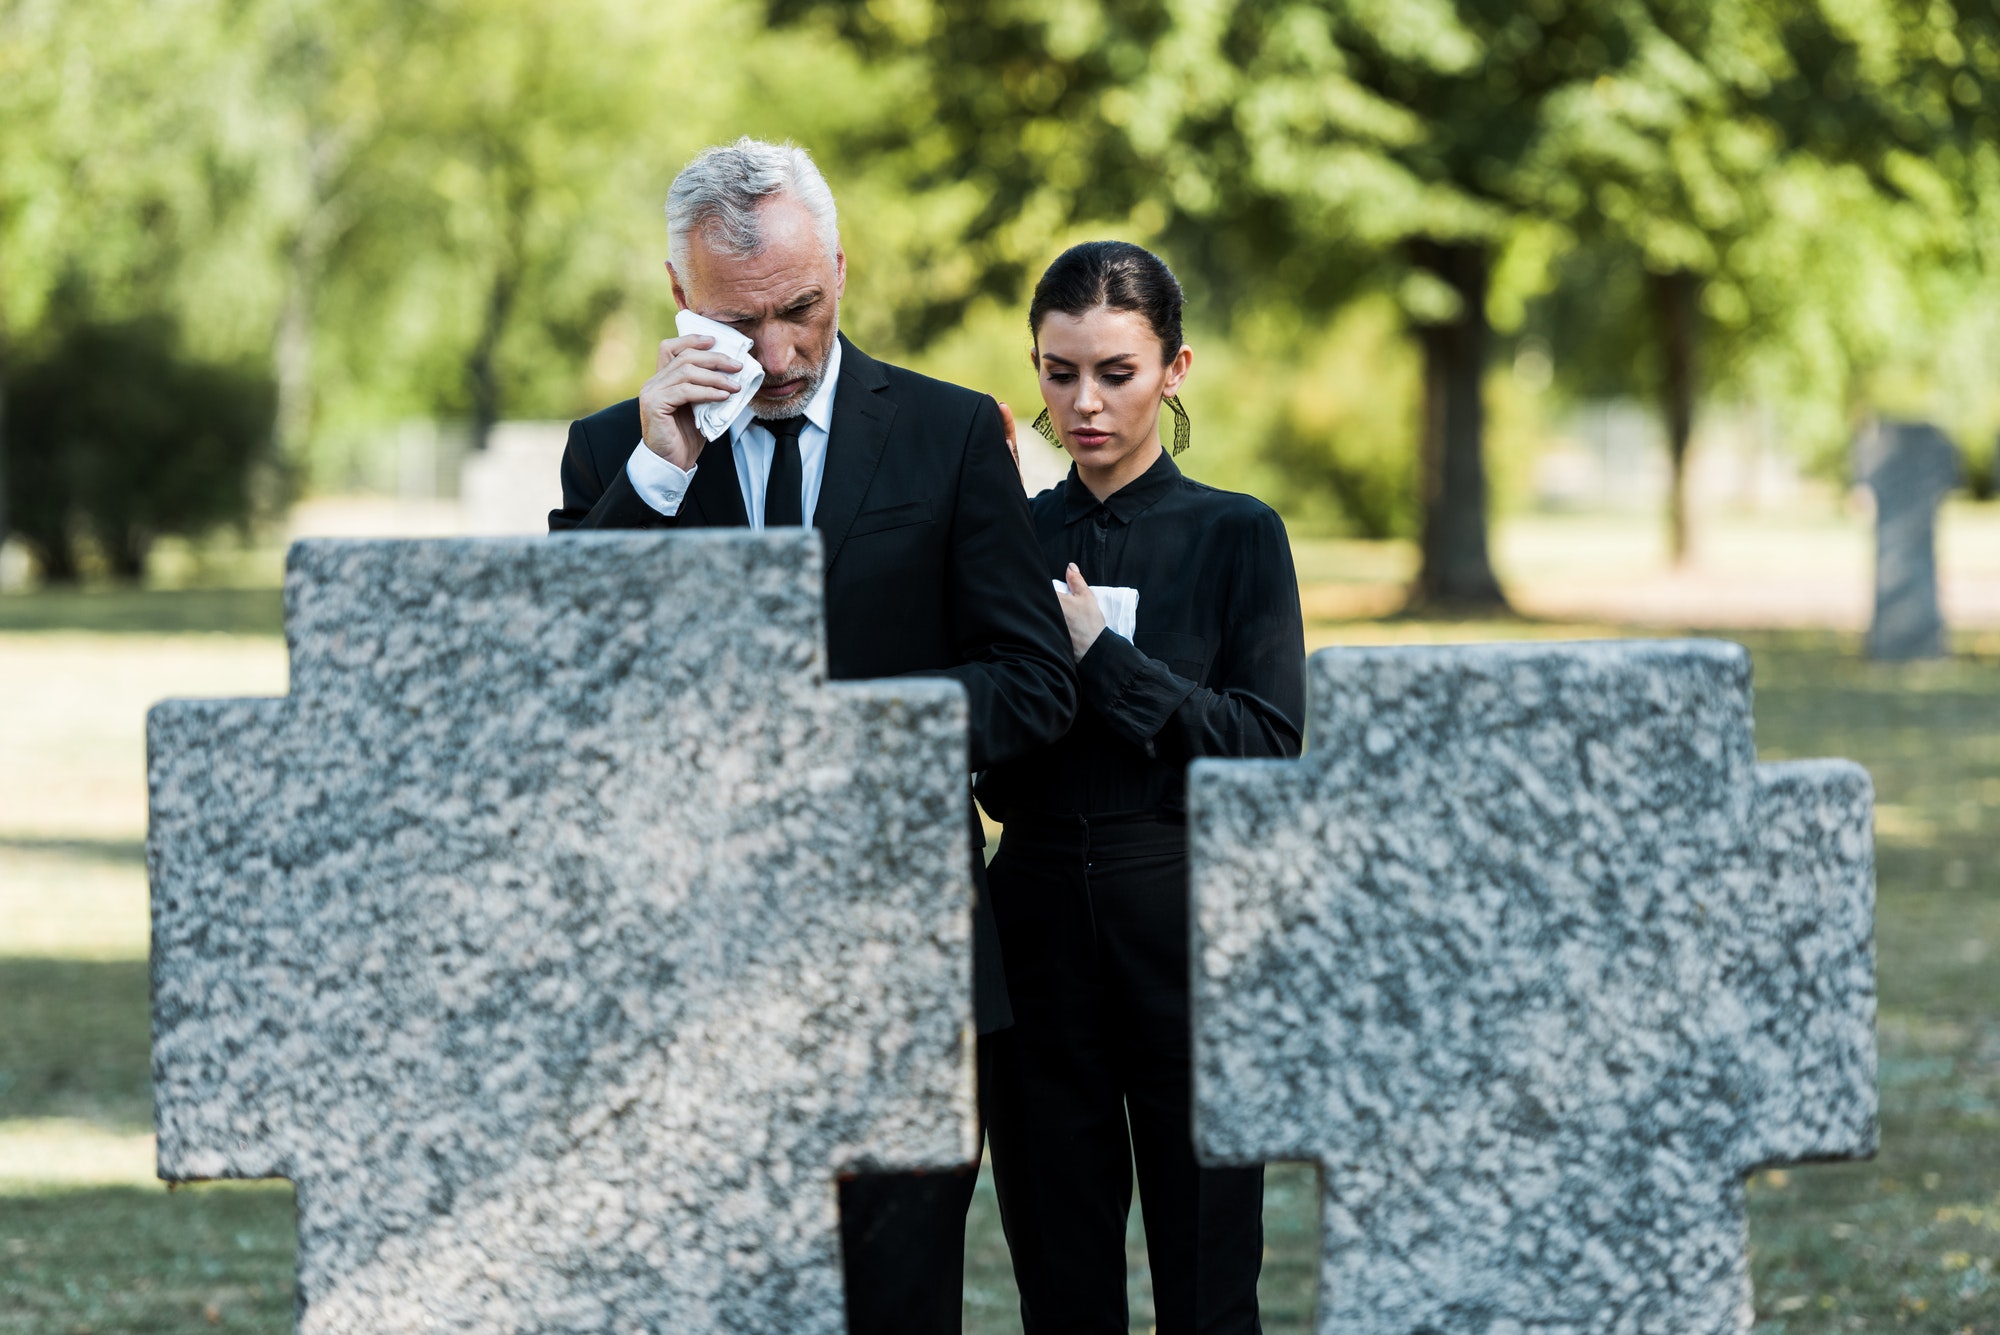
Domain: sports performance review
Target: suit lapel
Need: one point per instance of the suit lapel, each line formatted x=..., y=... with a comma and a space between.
x=854, y=445
x=715, y=498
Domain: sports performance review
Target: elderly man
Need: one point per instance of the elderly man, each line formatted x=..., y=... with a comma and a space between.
x=931, y=563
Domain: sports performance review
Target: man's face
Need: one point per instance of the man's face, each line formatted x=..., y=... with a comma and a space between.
x=785, y=299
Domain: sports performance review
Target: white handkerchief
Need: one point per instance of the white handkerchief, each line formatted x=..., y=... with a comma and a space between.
x=712, y=419
x=1119, y=604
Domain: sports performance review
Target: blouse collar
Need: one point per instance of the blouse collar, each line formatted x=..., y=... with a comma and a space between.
x=1129, y=501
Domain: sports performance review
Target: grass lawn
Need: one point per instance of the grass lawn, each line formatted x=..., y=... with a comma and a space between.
x=1910, y=1242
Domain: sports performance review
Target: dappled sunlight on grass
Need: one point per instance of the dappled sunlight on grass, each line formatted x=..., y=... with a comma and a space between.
x=125, y=611
x=70, y=1152
x=1907, y=1243
x=1802, y=571
x=73, y=720
x=69, y=899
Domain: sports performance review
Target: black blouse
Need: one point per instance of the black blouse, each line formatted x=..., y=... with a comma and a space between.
x=1216, y=666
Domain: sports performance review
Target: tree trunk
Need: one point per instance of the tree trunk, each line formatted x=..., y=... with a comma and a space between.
x=35, y=501
x=127, y=556
x=55, y=555
x=4, y=464
x=1676, y=298
x=326, y=217
x=482, y=372
x=1456, y=573
x=293, y=358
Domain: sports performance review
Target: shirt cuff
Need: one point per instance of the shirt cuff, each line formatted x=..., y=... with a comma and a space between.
x=1135, y=694
x=659, y=483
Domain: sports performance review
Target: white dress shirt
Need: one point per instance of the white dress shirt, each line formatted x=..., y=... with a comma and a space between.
x=663, y=486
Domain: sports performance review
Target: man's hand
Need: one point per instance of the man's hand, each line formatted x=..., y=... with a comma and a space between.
x=688, y=374
x=1013, y=441
x=1081, y=612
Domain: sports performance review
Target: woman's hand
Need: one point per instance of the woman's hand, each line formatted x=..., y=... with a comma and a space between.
x=1013, y=433
x=1080, y=610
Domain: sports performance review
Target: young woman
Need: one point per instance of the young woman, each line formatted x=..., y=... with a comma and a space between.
x=1090, y=882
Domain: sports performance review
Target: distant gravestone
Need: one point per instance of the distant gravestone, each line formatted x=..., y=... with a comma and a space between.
x=1911, y=467
x=509, y=487
x=1536, y=961
x=562, y=935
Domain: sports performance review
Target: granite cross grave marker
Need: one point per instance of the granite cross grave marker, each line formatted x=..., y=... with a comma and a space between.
x=1537, y=962
x=1911, y=467
x=562, y=935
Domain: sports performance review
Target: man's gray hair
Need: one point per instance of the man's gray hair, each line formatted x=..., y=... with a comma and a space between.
x=718, y=194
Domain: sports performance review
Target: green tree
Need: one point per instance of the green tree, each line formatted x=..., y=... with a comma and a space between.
x=1450, y=152
x=1747, y=133
x=1291, y=152
x=122, y=435
x=127, y=183
x=514, y=117
x=504, y=201
x=415, y=155
x=317, y=72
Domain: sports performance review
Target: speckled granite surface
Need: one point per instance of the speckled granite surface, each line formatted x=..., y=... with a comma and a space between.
x=562, y=935
x=1536, y=961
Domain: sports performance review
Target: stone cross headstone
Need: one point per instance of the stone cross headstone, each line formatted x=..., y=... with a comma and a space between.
x=562, y=935
x=1537, y=962
x=1911, y=467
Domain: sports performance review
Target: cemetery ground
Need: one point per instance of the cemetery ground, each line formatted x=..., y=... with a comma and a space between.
x=1909, y=1242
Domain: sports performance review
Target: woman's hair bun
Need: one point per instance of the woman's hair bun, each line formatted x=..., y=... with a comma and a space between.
x=1114, y=274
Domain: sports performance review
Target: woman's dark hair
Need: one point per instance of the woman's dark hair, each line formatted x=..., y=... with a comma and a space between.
x=1116, y=274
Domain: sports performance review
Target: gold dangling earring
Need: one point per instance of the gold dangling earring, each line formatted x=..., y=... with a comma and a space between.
x=1181, y=428
x=1046, y=428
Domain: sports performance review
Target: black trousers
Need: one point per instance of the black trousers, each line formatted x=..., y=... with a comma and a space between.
x=902, y=1237
x=1093, y=1081
x=902, y=1242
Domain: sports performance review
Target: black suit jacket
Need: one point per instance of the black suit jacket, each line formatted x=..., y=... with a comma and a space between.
x=932, y=565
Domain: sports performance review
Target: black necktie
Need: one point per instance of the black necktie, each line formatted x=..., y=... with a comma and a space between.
x=783, y=503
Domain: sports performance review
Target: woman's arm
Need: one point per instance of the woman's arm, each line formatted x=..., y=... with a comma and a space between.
x=1257, y=706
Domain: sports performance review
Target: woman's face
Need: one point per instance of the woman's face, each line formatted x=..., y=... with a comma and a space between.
x=1103, y=376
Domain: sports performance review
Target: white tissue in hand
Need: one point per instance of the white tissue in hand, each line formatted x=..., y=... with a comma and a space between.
x=712, y=419
x=1119, y=604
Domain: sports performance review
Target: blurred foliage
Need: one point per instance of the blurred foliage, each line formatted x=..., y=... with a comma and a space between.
x=121, y=438
x=452, y=208
x=1347, y=440
x=1453, y=153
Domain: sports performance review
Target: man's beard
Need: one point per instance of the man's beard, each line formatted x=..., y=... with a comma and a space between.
x=794, y=405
